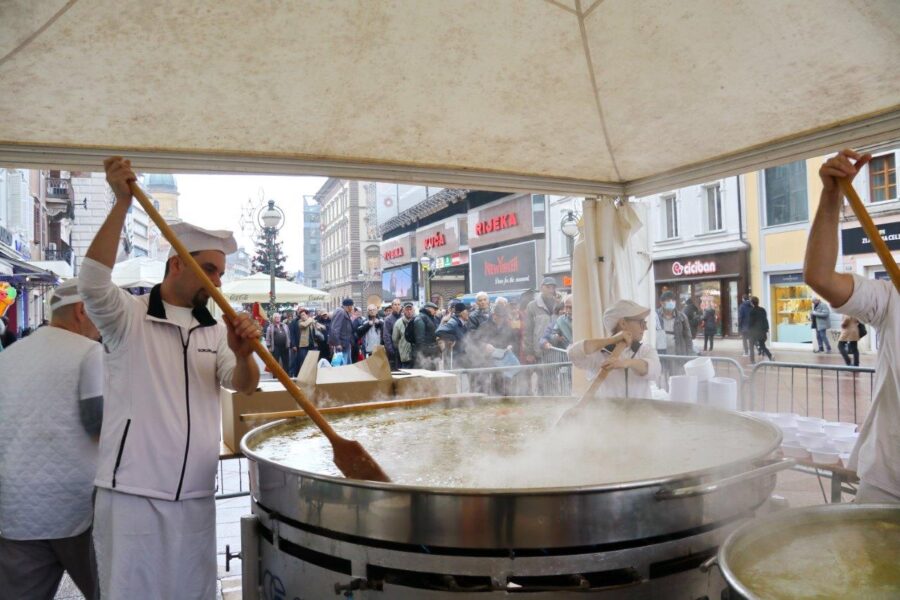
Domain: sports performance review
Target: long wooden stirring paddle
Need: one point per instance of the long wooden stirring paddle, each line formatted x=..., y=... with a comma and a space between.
x=881, y=248
x=595, y=385
x=349, y=455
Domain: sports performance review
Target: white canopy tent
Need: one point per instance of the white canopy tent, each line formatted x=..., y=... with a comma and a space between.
x=256, y=289
x=584, y=97
x=571, y=96
x=142, y=271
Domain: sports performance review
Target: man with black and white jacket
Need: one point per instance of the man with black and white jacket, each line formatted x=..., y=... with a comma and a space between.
x=166, y=357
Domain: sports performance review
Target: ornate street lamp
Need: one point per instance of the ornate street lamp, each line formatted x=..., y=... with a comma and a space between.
x=271, y=219
x=427, y=263
x=569, y=227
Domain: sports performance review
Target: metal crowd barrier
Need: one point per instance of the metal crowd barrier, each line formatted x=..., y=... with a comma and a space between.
x=546, y=379
x=833, y=392
x=232, y=478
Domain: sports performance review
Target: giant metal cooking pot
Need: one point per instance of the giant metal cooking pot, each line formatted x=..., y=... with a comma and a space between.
x=818, y=552
x=559, y=517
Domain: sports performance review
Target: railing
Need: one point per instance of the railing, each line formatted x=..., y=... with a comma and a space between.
x=833, y=392
x=550, y=379
x=59, y=188
x=64, y=254
x=233, y=478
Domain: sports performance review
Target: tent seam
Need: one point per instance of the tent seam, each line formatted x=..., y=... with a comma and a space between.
x=590, y=65
x=563, y=7
x=27, y=41
x=591, y=9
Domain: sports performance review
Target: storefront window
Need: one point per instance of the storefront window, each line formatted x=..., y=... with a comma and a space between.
x=791, y=304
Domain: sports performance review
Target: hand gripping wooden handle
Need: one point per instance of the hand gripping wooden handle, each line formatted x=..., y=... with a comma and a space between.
x=880, y=246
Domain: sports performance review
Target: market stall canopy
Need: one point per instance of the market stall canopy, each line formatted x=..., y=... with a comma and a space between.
x=577, y=96
x=256, y=289
x=140, y=272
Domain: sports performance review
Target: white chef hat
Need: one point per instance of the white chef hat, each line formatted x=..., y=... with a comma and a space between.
x=197, y=239
x=63, y=295
x=623, y=309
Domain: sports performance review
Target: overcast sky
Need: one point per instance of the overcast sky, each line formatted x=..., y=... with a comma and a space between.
x=216, y=201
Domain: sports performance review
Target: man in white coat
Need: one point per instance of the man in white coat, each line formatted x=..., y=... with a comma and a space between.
x=876, y=456
x=51, y=406
x=154, y=517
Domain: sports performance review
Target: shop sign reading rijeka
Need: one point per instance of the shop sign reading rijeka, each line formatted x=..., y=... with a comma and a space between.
x=696, y=267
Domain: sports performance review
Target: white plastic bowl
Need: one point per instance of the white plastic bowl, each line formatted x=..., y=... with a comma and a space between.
x=809, y=426
x=789, y=434
x=844, y=443
x=783, y=419
x=701, y=368
x=811, y=438
x=824, y=457
x=794, y=451
x=838, y=429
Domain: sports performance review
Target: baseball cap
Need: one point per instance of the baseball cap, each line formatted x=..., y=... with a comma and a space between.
x=63, y=295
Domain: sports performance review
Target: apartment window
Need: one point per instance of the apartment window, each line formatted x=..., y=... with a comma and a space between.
x=669, y=207
x=786, y=199
x=882, y=178
x=713, y=208
x=538, y=210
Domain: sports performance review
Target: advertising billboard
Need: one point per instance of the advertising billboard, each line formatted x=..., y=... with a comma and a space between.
x=399, y=282
x=504, y=269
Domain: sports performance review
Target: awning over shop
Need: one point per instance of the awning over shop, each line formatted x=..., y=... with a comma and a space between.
x=22, y=269
x=589, y=96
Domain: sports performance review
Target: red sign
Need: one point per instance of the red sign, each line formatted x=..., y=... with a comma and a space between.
x=393, y=253
x=435, y=241
x=502, y=266
x=496, y=224
x=697, y=267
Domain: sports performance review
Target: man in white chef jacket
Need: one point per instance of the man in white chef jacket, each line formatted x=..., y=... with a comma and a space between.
x=154, y=515
x=876, y=456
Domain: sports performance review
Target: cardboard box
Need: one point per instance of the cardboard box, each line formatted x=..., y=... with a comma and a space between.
x=270, y=397
x=420, y=383
x=365, y=381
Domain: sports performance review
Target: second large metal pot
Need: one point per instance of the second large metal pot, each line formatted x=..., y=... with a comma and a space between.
x=545, y=518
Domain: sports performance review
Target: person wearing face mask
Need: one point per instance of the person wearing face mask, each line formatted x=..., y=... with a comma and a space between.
x=675, y=327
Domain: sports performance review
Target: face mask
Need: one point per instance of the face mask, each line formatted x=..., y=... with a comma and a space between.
x=669, y=305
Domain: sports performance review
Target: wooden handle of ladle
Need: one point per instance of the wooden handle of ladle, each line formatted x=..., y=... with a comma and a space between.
x=601, y=376
x=220, y=300
x=881, y=248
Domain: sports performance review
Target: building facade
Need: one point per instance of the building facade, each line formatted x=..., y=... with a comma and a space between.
x=350, y=266
x=700, y=247
x=312, y=243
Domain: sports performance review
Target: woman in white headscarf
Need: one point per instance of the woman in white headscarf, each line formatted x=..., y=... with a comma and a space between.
x=631, y=372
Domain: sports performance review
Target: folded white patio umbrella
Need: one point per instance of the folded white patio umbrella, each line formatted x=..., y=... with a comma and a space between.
x=255, y=288
x=142, y=271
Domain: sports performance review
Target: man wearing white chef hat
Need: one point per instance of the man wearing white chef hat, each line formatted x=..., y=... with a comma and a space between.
x=631, y=373
x=876, y=456
x=166, y=357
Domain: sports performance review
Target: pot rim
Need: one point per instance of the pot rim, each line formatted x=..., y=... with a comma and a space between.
x=709, y=473
x=812, y=514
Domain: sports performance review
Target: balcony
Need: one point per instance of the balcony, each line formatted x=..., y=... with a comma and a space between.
x=59, y=188
x=53, y=253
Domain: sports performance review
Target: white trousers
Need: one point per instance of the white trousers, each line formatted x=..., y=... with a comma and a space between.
x=867, y=493
x=155, y=549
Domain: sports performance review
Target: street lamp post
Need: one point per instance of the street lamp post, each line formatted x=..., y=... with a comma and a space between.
x=569, y=227
x=271, y=219
x=427, y=262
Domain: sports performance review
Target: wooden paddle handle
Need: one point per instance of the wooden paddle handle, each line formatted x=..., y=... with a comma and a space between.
x=219, y=299
x=601, y=376
x=881, y=248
